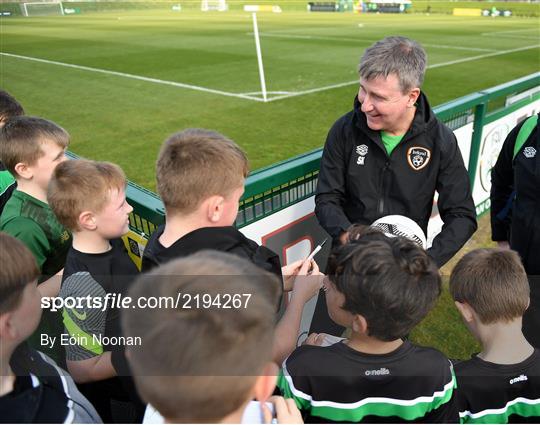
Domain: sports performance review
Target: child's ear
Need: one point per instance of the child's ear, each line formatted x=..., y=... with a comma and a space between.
x=465, y=310
x=7, y=330
x=266, y=382
x=359, y=324
x=4, y=325
x=87, y=220
x=22, y=169
x=215, y=208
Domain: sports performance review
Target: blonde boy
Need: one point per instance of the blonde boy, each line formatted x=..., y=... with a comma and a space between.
x=200, y=178
x=30, y=149
x=32, y=388
x=88, y=197
x=205, y=359
x=502, y=383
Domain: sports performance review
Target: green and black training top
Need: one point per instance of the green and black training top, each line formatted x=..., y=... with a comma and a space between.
x=340, y=384
x=499, y=394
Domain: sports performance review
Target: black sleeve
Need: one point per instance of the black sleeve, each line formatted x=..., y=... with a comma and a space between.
x=502, y=188
x=455, y=203
x=331, y=189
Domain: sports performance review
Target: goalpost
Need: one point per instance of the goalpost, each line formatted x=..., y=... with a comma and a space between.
x=219, y=5
x=42, y=8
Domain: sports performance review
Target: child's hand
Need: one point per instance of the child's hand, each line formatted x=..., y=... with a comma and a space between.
x=286, y=411
x=289, y=272
x=308, y=282
x=314, y=339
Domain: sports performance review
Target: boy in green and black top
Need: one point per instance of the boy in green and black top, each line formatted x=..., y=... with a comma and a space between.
x=89, y=198
x=379, y=288
x=501, y=384
x=9, y=107
x=30, y=149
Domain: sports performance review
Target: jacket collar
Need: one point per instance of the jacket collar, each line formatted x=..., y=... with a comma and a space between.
x=216, y=238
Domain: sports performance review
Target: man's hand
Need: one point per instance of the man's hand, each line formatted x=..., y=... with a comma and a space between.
x=286, y=411
x=344, y=238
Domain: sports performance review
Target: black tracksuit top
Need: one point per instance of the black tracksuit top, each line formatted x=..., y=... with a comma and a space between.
x=515, y=198
x=359, y=182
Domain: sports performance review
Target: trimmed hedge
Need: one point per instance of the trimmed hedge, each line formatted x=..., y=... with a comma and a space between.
x=531, y=9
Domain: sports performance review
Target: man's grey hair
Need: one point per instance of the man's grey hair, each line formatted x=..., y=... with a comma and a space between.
x=401, y=56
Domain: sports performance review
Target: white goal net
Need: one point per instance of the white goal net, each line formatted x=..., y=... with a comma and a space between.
x=219, y=5
x=44, y=8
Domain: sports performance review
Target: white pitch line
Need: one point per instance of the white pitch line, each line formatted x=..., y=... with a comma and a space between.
x=437, y=65
x=268, y=92
x=135, y=77
x=509, y=31
x=244, y=96
x=522, y=37
x=315, y=37
x=487, y=55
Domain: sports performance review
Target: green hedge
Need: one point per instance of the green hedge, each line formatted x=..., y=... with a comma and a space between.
x=14, y=8
x=436, y=6
x=418, y=6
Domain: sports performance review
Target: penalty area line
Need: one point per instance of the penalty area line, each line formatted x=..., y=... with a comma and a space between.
x=436, y=65
x=135, y=77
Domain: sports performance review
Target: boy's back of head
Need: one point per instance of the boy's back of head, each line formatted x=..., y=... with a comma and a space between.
x=82, y=185
x=493, y=282
x=199, y=360
x=391, y=282
x=22, y=140
x=9, y=107
x=18, y=270
x=195, y=164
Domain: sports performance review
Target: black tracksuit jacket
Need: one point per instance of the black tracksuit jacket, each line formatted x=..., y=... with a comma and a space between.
x=515, y=198
x=360, y=190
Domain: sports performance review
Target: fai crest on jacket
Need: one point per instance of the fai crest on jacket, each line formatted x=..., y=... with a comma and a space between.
x=418, y=157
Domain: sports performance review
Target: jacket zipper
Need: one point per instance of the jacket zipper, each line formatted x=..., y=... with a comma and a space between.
x=382, y=191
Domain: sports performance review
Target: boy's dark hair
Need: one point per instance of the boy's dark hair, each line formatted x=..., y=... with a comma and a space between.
x=21, y=139
x=198, y=364
x=493, y=282
x=366, y=232
x=18, y=269
x=9, y=107
x=391, y=282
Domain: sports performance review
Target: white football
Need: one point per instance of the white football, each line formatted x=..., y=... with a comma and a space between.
x=399, y=225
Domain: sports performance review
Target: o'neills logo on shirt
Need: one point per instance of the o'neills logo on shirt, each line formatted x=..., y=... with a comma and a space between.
x=518, y=379
x=418, y=157
x=377, y=372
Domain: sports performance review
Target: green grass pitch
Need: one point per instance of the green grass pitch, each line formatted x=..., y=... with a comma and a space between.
x=113, y=117
x=310, y=61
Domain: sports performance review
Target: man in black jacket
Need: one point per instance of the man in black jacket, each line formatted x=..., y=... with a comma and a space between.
x=390, y=154
x=515, y=206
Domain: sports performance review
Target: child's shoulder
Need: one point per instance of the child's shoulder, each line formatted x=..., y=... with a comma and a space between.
x=116, y=261
x=313, y=357
x=475, y=366
x=25, y=215
x=421, y=352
